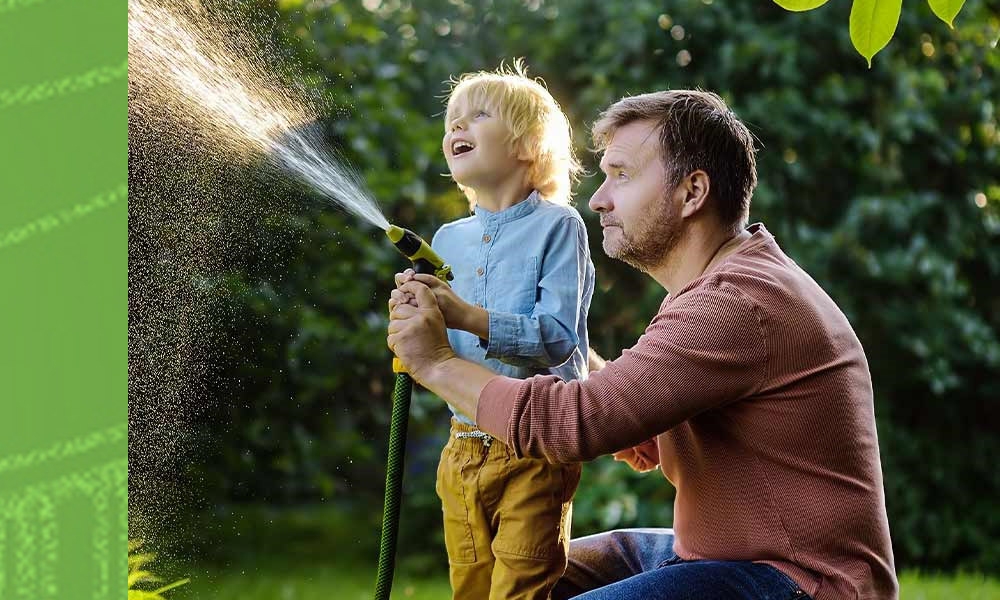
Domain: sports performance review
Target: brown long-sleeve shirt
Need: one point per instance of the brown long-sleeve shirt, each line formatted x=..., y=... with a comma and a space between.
x=757, y=395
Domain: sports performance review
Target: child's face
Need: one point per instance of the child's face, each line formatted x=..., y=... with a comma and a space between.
x=475, y=145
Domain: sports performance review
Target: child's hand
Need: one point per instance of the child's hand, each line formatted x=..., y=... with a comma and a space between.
x=458, y=314
x=398, y=296
x=455, y=310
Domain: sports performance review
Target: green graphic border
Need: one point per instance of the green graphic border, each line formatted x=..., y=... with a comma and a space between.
x=63, y=299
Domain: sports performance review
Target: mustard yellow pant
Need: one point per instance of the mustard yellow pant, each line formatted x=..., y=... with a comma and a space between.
x=506, y=520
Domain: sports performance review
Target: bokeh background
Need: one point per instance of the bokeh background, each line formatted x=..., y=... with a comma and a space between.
x=259, y=313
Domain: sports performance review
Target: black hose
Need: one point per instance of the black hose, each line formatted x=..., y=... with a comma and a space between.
x=424, y=260
x=393, y=484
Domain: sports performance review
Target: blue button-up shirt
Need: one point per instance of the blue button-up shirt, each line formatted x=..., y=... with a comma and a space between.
x=529, y=266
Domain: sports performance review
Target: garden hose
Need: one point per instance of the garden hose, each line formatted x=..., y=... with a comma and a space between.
x=425, y=260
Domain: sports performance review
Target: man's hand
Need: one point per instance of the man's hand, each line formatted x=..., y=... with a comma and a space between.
x=458, y=314
x=416, y=329
x=642, y=458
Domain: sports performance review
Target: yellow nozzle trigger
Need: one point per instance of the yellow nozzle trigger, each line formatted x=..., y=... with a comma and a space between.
x=444, y=273
x=423, y=252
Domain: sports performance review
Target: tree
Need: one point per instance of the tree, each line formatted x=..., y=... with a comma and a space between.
x=880, y=181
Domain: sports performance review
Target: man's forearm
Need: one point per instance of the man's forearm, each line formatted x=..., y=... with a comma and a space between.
x=459, y=382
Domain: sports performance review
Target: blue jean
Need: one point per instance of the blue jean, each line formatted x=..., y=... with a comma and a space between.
x=640, y=564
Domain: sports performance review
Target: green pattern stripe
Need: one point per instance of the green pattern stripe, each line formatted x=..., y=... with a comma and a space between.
x=50, y=222
x=29, y=94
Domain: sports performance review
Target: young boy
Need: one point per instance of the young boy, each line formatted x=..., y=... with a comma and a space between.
x=518, y=304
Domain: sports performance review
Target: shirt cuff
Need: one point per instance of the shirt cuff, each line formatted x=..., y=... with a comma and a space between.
x=496, y=404
x=503, y=338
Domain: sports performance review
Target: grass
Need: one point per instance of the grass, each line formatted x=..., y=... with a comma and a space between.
x=306, y=553
x=317, y=583
x=917, y=586
x=318, y=554
x=352, y=583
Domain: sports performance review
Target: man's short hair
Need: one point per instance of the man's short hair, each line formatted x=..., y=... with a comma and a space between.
x=697, y=131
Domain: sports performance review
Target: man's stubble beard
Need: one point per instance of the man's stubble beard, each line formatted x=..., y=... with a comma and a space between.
x=648, y=245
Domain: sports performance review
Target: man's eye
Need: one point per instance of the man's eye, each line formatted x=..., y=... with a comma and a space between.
x=482, y=113
x=621, y=175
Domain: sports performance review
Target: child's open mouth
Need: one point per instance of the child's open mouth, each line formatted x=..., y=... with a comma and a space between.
x=461, y=147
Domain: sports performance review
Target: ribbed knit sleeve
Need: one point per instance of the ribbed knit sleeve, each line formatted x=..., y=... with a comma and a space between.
x=704, y=349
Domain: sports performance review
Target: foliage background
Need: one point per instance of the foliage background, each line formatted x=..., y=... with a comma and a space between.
x=883, y=183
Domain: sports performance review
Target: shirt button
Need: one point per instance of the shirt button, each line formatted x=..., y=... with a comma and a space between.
x=486, y=238
x=479, y=271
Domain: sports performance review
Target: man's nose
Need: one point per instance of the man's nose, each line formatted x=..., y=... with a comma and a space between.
x=458, y=124
x=601, y=200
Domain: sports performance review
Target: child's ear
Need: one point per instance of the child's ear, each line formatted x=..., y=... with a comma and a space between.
x=521, y=152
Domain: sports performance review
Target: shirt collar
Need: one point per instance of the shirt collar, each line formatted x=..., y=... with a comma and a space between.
x=512, y=213
x=758, y=235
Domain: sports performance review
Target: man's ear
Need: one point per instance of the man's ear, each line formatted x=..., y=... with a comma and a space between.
x=696, y=187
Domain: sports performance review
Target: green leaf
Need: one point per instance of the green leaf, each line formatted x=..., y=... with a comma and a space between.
x=172, y=585
x=137, y=561
x=873, y=22
x=946, y=10
x=800, y=5
x=135, y=577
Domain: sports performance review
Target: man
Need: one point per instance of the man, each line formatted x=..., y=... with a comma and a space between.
x=749, y=389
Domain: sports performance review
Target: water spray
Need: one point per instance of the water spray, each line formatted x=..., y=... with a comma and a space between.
x=207, y=74
x=424, y=260
x=188, y=65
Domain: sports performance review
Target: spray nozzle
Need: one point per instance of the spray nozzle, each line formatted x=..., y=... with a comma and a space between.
x=424, y=259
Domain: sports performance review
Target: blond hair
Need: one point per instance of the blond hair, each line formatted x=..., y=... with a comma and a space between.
x=538, y=127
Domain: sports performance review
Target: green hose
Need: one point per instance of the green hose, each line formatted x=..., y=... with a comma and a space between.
x=425, y=260
x=393, y=484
